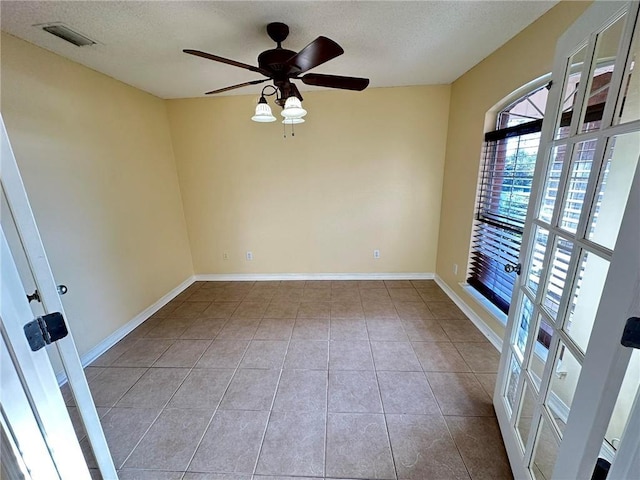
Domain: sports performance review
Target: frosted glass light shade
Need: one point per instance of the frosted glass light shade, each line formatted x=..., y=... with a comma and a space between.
x=263, y=113
x=293, y=121
x=293, y=108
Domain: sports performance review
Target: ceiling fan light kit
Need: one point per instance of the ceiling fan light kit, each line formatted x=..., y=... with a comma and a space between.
x=282, y=66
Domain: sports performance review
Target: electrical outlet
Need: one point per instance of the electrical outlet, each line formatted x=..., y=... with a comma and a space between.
x=455, y=268
x=376, y=254
x=249, y=256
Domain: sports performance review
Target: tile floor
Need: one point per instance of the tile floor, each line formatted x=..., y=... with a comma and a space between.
x=316, y=379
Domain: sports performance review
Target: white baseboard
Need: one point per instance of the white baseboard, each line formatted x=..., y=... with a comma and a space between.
x=127, y=328
x=492, y=336
x=249, y=277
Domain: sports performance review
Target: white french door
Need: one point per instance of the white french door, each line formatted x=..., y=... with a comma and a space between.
x=34, y=420
x=566, y=386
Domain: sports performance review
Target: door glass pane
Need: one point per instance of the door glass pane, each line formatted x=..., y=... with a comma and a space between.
x=616, y=177
x=551, y=183
x=564, y=379
x=538, y=357
x=523, y=425
x=526, y=313
x=559, y=266
x=574, y=198
x=628, y=108
x=626, y=396
x=598, y=89
x=576, y=63
x=592, y=273
x=546, y=452
x=512, y=381
x=540, y=239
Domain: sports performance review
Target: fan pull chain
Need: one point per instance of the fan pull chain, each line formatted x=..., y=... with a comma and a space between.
x=293, y=133
x=284, y=130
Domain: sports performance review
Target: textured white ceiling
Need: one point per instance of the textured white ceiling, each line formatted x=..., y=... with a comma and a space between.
x=393, y=43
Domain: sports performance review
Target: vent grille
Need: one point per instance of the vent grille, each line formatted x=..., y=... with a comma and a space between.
x=66, y=33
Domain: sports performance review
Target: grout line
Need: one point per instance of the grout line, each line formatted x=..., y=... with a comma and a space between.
x=326, y=407
x=384, y=415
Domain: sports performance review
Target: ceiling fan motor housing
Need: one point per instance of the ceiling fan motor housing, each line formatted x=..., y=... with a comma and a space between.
x=275, y=61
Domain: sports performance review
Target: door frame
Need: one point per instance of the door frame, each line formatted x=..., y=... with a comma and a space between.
x=18, y=201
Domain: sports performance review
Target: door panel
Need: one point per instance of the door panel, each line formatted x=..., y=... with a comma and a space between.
x=584, y=176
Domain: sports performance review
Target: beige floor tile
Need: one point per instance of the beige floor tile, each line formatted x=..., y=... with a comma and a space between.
x=432, y=295
x=251, y=390
x=407, y=392
x=311, y=328
x=294, y=444
x=398, y=284
x=366, y=284
x=203, y=295
x=488, y=382
x=382, y=309
x=478, y=439
x=404, y=295
x=223, y=354
x=344, y=284
x=220, y=309
x=462, y=331
x=386, y=331
x=239, y=331
x=190, y=309
x=261, y=294
x=112, y=384
x=248, y=309
x=143, y=353
x=282, y=309
x=318, y=310
x=111, y=355
x=347, y=309
x=214, y=476
x=316, y=295
x=265, y=354
x=374, y=295
x=202, y=389
x=396, y=356
x=301, y=391
x=275, y=329
x=481, y=357
x=171, y=441
x=288, y=294
x=350, y=355
x=345, y=295
x=307, y=354
x=354, y=392
x=413, y=311
x=137, y=474
x=183, y=353
x=123, y=428
x=445, y=309
x=317, y=284
x=358, y=446
x=460, y=394
x=348, y=329
x=424, y=331
x=155, y=388
x=439, y=357
x=231, y=443
x=203, y=329
x=169, y=328
x=423, y=448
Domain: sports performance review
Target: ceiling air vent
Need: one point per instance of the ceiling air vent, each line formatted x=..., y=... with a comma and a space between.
x=62, y=31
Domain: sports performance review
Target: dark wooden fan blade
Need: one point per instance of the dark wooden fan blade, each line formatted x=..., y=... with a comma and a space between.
x=335, y=81
x=240, y=85
x=321, y=50
x=216, y=58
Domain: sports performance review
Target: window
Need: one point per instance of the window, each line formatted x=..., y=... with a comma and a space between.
x=506, y=177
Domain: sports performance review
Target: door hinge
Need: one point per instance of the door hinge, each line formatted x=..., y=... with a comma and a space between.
x=45, y=330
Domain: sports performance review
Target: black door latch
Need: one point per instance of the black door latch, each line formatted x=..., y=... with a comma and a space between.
x=45, y=330
x=631, y=334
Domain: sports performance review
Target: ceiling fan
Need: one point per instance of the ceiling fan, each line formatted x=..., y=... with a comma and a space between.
x=282, y=65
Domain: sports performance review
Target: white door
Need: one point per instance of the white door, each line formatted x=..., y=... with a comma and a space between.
x=562, y=365
x=35, y=421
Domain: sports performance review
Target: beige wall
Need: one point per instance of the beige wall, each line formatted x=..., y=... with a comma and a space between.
x=363, y=173
x=526, y=57
x=97, y=162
